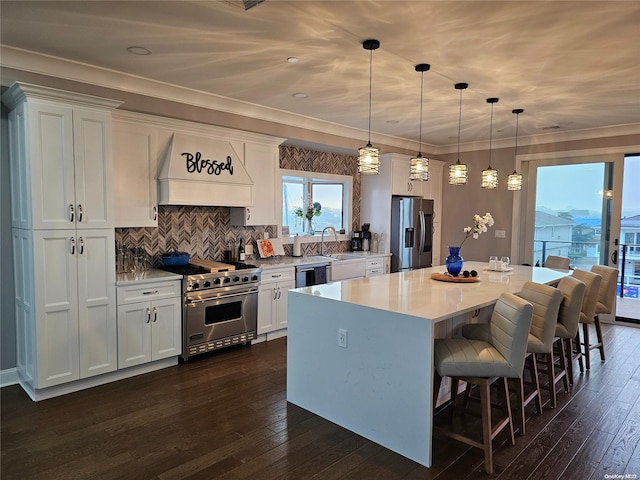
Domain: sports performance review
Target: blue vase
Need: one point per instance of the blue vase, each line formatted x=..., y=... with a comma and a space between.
x=454, y=261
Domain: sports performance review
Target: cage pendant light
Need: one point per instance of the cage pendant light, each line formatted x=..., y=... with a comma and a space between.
x=458, y=172
x=419, y=166
x=490, y=176
x=514, y=181
x=369, y=156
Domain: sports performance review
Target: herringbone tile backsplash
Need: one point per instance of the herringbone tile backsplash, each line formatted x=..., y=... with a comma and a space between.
x=205, y=231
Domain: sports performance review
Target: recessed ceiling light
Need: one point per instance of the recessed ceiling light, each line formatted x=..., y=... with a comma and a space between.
x=299, y=95
x=139, y=50
x=292, y=59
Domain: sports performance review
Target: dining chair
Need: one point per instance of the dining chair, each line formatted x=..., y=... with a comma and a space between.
x=561, y=263
x=546, y=302
x=605, y=303
x=573, y=292
x=592, y=282
x=484, y=363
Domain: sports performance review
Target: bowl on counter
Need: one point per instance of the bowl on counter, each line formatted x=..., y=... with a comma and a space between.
x=173, y=259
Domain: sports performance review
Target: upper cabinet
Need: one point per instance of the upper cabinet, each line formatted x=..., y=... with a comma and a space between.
x=135, y=161
x=61, y=162
x=400, y=183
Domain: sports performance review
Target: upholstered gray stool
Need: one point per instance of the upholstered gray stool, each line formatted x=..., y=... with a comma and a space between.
x=485, y=362
x=561, y=263
x=592, y=282
x=573, y=291
x=546, y=304
x=605, y=303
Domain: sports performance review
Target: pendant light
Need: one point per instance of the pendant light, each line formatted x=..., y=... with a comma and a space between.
x=490, y=176
x=514, y=181
x=458, y=172
x=419, y=167
x=369, y=156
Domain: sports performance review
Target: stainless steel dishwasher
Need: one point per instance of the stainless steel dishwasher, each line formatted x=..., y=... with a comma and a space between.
x=311, y=274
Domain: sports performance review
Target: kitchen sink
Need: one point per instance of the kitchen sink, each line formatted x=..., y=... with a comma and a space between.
x=339, y=256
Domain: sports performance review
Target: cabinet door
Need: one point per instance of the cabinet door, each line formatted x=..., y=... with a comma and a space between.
x=261, y=162
x=56, y=307
x=400, y=183
x=93, y=168
x=50, y=151
x=267, y=296
x=134, y=334
x=134, y=172
x=282, y=299
x=97, y=302
x=166, y=328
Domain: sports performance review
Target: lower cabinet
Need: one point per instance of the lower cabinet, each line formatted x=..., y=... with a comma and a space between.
x=377, y=266
x=272, y=299
x=149, y=322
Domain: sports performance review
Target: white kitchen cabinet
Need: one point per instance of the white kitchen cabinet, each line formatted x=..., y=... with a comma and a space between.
x=347, y=269
x=377, y=266
x=262, y=165
x=400, y=183
x=272, y=298
x=67, y=329
x=60, y=159
x=63, y=237
x=135, y=161
x=149, y=322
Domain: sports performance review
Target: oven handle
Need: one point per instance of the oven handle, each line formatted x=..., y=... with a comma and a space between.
x=224, y=297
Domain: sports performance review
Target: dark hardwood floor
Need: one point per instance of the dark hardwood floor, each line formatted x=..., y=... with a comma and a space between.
x=225, y=416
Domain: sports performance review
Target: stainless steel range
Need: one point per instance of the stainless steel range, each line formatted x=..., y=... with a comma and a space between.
x=219, y=308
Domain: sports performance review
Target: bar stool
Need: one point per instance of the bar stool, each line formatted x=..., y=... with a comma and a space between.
x=546, y=302
x=561, y=263
x=605, y=303
x=483, y=363
x=573, y=291
x=592, y=282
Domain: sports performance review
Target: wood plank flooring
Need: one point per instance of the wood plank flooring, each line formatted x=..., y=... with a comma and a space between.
x=225, y=416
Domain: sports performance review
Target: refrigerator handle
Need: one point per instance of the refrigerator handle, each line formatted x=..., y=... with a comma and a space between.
x=423, y=231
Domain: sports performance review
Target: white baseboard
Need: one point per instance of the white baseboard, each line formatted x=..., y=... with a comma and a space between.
x=8, y=377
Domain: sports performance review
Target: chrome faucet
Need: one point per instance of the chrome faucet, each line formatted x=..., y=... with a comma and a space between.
x=331, y=230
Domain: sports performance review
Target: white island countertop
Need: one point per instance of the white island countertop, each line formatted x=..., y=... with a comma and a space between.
x=360, y=352
x=415, y=293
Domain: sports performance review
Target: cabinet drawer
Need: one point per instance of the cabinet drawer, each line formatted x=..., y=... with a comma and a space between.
x=277, y=275
x=375, y=263
x=149, y=291
x=372, y=272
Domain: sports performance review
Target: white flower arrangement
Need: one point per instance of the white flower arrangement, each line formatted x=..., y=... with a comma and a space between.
x=480, y=225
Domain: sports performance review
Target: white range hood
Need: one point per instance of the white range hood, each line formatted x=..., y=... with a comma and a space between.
x=200, y=170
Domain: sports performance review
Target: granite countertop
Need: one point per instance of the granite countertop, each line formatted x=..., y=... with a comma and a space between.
x=147, y=276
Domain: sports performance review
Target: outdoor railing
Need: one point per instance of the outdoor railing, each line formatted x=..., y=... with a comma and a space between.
x=628, y=282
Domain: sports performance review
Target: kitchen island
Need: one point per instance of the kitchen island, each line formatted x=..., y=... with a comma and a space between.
x=360, y=352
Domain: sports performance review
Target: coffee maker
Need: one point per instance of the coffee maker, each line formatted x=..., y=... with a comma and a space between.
x=361, y=239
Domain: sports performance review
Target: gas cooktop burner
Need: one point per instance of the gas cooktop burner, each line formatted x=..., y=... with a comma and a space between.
x=199, y=278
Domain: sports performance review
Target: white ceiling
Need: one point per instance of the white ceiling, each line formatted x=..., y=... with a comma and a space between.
x=570, y=65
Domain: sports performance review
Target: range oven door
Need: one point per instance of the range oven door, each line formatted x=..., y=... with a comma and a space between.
x=220, y=313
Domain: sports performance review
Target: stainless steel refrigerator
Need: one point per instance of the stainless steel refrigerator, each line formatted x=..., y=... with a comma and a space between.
x=411, y=233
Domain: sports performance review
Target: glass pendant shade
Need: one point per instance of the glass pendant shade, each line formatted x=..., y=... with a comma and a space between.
x=369, y=156
x=419, y=168
x=458, y=174
x=369, y=160
x=514, y=181
x=489, y=178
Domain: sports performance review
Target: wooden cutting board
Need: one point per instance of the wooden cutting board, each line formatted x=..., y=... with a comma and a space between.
x=213, y=266
x=448, y=278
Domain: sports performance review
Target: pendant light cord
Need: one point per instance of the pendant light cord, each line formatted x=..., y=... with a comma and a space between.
x=459, y=123
x=516, y=151
x=370, y=89
x=420, y=134
x=490, y=135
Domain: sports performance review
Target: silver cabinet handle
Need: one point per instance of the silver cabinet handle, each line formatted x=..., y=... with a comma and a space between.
x=148, y=315
x=275, y=293
x=81, y=247
x=150, y=292
x=155, y=314
x=73, y=245
x=276, y=276
x=279, y=293
x=155, y=213
x=72, y=213
x=79, y=212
